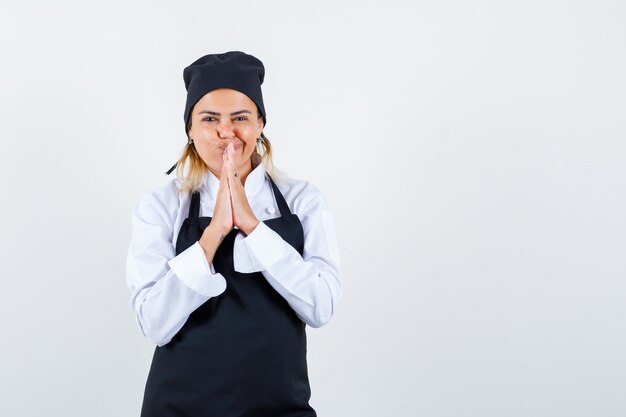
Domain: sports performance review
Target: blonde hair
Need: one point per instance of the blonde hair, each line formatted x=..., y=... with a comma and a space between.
x=191, y=169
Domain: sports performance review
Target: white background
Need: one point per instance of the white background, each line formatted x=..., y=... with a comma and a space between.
x=472, y=152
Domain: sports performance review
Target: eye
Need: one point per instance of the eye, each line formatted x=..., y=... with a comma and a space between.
x=241, y=118
x=208, y=117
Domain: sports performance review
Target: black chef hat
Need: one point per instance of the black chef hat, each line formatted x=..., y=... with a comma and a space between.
x=236, y=70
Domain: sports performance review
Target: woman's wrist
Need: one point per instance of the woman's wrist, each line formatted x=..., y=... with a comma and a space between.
x=210, y=240
x=250, y=228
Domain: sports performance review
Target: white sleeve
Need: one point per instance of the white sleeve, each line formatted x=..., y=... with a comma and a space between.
x=311, y=283
x=165, y=288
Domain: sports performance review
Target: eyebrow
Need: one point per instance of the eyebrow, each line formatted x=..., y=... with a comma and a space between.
x=219, y=114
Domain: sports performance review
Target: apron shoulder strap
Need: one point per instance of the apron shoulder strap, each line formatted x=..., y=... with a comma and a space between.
x=194, y=207
x=278, y=196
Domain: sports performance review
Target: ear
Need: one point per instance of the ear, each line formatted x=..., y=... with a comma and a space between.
x=189, y=127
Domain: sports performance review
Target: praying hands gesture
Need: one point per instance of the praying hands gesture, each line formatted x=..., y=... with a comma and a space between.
x=231, y=207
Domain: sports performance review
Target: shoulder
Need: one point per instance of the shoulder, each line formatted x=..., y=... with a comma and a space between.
x=160, y=204
x=301, y=195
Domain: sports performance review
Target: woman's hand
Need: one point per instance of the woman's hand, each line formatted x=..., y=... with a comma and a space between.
x=222, y=221
x=243, y=216
x=223, y=213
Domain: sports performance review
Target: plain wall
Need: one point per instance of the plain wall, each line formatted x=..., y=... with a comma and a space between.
x=472, y=153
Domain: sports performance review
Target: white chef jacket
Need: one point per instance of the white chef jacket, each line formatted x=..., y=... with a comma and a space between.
x=166, y=288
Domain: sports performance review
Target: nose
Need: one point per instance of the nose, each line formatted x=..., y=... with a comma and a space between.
x=225, y=130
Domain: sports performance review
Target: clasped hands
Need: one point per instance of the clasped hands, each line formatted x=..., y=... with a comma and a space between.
x=231, y=205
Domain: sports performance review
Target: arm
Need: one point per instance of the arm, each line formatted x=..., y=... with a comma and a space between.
x=311, y=283
x=166, y=288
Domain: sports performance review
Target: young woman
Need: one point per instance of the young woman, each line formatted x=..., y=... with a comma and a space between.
x=229, y=261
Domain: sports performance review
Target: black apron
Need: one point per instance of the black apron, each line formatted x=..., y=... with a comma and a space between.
x=241, y=353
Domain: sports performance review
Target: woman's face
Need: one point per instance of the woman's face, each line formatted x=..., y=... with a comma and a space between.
x=221, y=116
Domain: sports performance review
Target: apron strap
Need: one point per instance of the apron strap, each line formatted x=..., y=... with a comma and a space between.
x=282, y=204
x=169, y=171
x=194, y=207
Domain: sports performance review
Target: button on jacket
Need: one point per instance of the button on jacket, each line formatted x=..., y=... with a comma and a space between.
x=166, y=288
